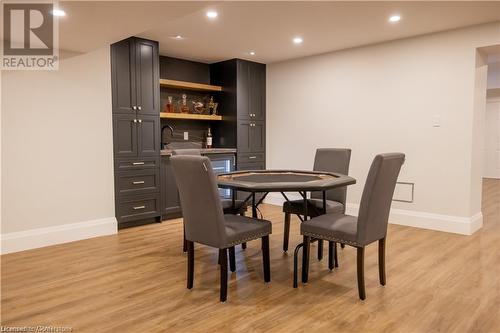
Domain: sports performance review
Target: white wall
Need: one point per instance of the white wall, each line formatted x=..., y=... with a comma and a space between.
x=384, y=98
x=492, y=139
x=57, y=159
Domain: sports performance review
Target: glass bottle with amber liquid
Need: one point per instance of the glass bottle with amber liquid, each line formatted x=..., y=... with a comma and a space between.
x=183, y=104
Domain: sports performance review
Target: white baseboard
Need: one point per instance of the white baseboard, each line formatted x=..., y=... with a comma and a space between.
x=40, y=237
x=447, y=223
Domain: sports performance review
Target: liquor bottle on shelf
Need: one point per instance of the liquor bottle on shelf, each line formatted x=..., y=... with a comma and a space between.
x=169, y=107
x=209, y=138
x=183, y=104
x=211, y=105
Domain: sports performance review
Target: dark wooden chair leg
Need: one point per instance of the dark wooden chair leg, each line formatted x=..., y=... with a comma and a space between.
x=243, y=245
x=190, y=268
x=184, y=246
x=223, y=275
x=286, y=232
x=331, y=258
x=361, y=273
x=305, y=259
x=266, y=260
x=320, y=249
x=335, y=254
x=381, y=261
x=232, y=259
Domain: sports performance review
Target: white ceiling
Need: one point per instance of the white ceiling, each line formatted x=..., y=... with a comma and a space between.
x=264, y=27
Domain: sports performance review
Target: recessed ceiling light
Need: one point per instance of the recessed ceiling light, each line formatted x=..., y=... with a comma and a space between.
x=58, y=12
x=178, y=37
x=252, y=52
x=297, y=40
x=394, y=18
x=212, y=14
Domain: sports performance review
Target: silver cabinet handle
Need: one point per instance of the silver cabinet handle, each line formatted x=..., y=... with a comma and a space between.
x=139, y=120
x=138, y=163
x=139, y=207
x=252, y=157
x=134, y=108
x=218, y=168
x=138, y=182
x=139, y=108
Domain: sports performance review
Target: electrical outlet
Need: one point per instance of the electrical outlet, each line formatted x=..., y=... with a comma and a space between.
x=186, y=136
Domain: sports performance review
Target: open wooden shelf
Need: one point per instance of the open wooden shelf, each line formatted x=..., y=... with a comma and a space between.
x=493, y=92
x=188, y=85
x=189, y=116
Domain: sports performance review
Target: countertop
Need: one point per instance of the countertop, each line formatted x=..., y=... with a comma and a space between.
x=204, y=151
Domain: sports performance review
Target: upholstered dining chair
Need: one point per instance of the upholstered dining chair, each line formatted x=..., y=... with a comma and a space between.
x=370, y=225
x=205, y=222
x=240, y=206
x=327, y=160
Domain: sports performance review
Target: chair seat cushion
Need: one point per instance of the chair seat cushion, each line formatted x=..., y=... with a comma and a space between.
x=314, y=208
x=335, y=227
x=240, y=229
x=239, y=206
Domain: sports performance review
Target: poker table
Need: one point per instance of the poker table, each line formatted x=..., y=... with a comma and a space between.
x=266, y=181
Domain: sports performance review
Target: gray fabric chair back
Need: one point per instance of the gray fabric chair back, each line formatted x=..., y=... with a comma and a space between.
x=332, y=160
x=195, y=152
x=201, y=207
x=377, y=196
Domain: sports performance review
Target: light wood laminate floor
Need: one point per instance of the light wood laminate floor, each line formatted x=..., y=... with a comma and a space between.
x=136, y=282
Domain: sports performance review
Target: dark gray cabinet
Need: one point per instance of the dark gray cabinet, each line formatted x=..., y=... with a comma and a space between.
x=243, y=104
x=123, y=79
x=251, y=136
x=251, y=90
x=136, y=129
x=147, y=77
x=257, y=91
x=170, y=202
x=148, y=136
x=125, y=135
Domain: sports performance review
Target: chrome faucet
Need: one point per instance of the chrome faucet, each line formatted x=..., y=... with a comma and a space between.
x=171, y=132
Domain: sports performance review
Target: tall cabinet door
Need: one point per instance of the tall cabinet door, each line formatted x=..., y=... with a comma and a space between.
x=147, y=76
x=123, y=77
x=242, y=89
x=148, y=136
x=125, y=135
x=257, y=91
x=244, y=130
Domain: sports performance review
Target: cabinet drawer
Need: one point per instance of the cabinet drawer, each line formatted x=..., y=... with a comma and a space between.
x=138, y=182
x=251, y=157
x=138, y=207
x=251, y=166
x=136, y=163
